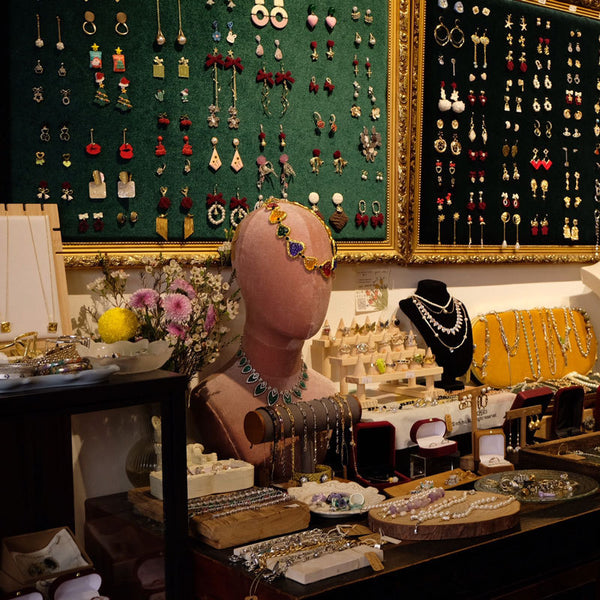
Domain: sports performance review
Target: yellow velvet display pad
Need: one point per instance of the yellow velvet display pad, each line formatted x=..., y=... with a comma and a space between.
x=541, y=343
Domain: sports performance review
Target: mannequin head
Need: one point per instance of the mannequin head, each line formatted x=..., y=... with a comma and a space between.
x=281, y=295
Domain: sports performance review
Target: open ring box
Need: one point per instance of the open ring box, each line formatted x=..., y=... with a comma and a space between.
x=429, y=435
x=488, y=451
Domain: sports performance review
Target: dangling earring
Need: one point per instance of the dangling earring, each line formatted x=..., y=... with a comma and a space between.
x=339, y=218
x=377, y=218
x=509, y=447
x=472, y=135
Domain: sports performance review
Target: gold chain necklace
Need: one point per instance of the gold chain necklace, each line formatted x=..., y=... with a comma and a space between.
x=486, y=349
x=5, y=324
x=52, y=324
x=536, y=373
x=549, y=346
x=511, y=349
x=588, y=332
x=562, y=342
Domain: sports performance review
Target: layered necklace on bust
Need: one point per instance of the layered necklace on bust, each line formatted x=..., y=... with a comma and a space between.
x=261, y=386
x=427, y=310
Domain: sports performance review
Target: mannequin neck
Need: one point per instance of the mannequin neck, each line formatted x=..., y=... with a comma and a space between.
x=436, y=291
x=276, y=358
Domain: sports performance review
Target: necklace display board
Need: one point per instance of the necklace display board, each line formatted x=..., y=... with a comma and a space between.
x=443, y=322
x=33, y=294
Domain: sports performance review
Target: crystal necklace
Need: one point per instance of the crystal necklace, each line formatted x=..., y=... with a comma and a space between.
x=511, y=349
x=261, y=386
x=436, y=327
x=588, y=332
x=4, y=321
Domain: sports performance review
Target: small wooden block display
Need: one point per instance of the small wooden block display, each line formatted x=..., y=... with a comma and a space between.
x=479, y=522
x=251, y=525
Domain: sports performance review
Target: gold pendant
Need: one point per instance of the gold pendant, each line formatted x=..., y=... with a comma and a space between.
x=188, y=226
x=52, y=327
x=158, y=71
x=162, y=227
x=5, y=327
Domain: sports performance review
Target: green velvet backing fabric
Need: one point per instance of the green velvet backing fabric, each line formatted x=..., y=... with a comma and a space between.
x=581, y=151
x=27, y=117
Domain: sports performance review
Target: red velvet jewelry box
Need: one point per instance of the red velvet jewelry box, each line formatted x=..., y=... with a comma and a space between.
x=429, y=435
x=374, y=461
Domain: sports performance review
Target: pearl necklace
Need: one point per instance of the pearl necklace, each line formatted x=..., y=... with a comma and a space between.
x=439, y=510
x=436, y=327
x=443, y=309
x=261, y=386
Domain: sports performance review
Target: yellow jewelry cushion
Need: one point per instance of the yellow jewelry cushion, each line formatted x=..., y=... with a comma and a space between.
x=542, y=343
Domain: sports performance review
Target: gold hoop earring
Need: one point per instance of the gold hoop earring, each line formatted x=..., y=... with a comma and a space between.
x=456, y=36
x=441, y=33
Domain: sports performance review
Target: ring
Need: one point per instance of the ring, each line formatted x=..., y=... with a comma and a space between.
x=356, y=500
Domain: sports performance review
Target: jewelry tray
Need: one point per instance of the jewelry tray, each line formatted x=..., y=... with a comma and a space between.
x=585, y=485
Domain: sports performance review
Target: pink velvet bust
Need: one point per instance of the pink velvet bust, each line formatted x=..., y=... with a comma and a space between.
x=285, y=305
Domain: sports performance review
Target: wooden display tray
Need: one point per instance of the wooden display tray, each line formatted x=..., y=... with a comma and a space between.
x=479, y=522
x=251, y=525
x=556, y=455
x=403, y=489
x=145, y=504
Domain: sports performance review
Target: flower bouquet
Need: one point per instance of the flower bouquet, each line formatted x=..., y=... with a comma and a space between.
x=189, y=308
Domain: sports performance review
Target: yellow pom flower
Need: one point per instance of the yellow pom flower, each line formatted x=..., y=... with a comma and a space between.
x=117, y=324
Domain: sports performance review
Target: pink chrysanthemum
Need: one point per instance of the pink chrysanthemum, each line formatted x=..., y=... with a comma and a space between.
x=181, y=285
x=177, y=307
x=211, y=318
x=144, y=298
x=177, y=330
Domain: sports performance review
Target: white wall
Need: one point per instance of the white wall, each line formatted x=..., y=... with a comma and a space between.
x=101, y=441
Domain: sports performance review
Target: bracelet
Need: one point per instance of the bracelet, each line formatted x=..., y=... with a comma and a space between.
x=305, y=426
x=281, y=439
x=315, y=432
x=288, y=410
x=322, y=474
x=273, y=418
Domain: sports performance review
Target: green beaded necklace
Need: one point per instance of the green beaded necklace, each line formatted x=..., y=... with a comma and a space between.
x=261, y=386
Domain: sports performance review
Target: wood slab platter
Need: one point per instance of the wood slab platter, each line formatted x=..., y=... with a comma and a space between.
x=479, y=522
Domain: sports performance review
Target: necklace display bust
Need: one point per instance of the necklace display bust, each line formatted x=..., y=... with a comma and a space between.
x=283, y=256
x=444, y=324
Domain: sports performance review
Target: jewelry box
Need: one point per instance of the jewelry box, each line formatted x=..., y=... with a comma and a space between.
x=42, y=555
x=567, y=411
x=374, y=461
x=429, y=435
x=26, y=594
x=489, y=451
x=541, y=395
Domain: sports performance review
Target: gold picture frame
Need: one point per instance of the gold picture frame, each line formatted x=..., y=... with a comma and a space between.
x=413, y=137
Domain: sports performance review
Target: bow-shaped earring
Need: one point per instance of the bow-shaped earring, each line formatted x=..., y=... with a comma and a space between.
x=361, y=217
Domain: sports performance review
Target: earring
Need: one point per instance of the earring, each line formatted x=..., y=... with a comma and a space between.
x=536, y=128
x=98, y=221
x=125, y=149
x=215, y=160
x=89, y=27
x=534, y=187
x=83, y=224
x=239, y=209
x=187, y=167
x=339, y=218
x=159, y=149
x=121, y=26
x=316, y=161
x=278, y=53
x=443, y=103
x=534, y=226
x=361, y=218
x=187, y=147
x=64, y=134
x=339, y=162
x=332, y=125
x=377, y=218
x=456, y=35
x=566, y=229
x=441, y=33
x=312, y=19
x=236, y=162
x=216, y=208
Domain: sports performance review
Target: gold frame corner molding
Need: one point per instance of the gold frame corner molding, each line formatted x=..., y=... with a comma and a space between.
x=418, y=57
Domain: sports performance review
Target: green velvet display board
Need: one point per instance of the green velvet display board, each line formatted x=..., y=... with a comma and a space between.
x=528, y=77
x=151, y=96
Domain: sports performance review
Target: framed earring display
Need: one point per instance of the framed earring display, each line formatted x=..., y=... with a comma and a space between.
x=504, y=132
x=136, y=106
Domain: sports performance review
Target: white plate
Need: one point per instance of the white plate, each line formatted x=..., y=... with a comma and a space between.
x=45, y=381
x=305, y=493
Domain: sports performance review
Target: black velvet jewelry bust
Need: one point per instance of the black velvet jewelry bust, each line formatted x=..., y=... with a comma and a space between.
x=444, y=324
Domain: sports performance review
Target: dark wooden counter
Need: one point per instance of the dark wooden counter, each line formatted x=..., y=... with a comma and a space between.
x=555, y=552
